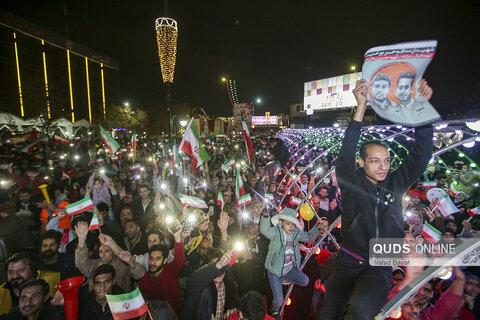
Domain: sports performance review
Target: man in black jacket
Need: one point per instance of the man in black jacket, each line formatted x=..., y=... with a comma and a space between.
x=372, y=209
x=211, y=290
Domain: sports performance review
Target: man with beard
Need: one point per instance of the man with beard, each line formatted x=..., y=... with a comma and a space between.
x=53, y=265
x=160, y=282
x=20, y=269
x=446, y=307
x=96, y=306
x=134, y=240
x=125, y=267
x=379, y=89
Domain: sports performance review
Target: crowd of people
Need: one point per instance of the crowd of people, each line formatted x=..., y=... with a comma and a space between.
x=182, y=255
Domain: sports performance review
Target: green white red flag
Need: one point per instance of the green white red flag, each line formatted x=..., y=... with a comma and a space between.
x=244, y=200
x=94, y=224
x=228, y=165
x=446, y=206
x=192, y=146
x=429, y=184
x=133, y=146
x=60, y=139
x=127, y=306
x=80, y=206
x=110, y=144
x=248, y=143
x=220, y=201
x=29, y=147
x=136, y=166
x=430, y=233
x=269, y=197
x=473, y=212
x=295, y=201
x=192, y=201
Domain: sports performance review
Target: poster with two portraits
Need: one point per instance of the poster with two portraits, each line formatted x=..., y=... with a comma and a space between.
x=393, y=74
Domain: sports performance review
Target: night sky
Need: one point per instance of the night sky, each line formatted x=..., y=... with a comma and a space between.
x=269, y=47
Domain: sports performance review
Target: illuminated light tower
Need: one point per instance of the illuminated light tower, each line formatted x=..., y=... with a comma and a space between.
x=167, y=34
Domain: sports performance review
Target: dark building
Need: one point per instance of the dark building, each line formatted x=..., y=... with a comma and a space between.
x=42, y=72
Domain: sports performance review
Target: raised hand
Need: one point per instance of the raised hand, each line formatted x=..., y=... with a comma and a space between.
x=224, y=260
x=223, y=221
x=125, y=256
x=360, y=92
x=424, y=89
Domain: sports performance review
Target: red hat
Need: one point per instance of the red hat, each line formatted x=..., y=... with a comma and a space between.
x=416, y=194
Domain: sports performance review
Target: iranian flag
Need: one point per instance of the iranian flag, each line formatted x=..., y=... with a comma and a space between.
x=126, y=306
x=60, y=139
x=277, y=171
x=295, y=201
x=175, y=158
x=110, y=144
x=65, y=176
x=29, y=147
x=239, y=188
x=114, y=158
x=133, y=146
x=192, y=201
x=100, y=160
x=446, y=206
x=228, y=165
x=453, y=189
x=4, y=166
x=90, y=153
x=430, y=233
x=429, y=184
x=80, y=206
x=244, y=200
x=473, y=212
x=136, y=166
x=193, y=146
x=94, y=224
x=248, y=143
x=300, y=169
x=220, y=201
x=269, y=197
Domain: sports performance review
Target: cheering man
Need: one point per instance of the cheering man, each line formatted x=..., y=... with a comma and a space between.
x=372, y=208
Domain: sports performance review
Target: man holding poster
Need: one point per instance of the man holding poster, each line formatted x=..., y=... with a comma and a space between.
x=372, y=209
x=393, y=76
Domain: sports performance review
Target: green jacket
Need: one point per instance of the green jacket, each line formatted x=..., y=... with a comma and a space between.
x=276, y=249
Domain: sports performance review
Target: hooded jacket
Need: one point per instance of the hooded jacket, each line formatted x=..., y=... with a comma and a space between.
x=276, y=249
x=375, y=210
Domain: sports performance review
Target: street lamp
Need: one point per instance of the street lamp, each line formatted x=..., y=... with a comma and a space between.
x=167, y=34
x=126, y=104
x=183, y=122
x=259, y=100
x=353, y=68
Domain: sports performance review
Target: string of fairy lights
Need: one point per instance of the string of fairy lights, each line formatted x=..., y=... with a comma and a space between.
x=232, y=92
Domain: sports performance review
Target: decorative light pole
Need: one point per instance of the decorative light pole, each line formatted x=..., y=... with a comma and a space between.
x=167, y=34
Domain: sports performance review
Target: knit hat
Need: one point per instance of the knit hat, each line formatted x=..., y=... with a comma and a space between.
x=8, y=207
x=287, y=214
x=448, y=229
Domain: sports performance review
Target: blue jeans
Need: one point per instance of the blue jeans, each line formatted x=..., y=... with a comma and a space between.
x=295, y=276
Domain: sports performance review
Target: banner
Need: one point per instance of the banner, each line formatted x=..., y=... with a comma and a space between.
x=245, y=111
x=393, y=74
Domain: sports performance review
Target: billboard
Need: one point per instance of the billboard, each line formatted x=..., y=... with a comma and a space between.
x=264, y=120
x=330, y=93
x=245, y=110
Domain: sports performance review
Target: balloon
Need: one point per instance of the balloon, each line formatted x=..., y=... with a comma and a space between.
x=306, y=212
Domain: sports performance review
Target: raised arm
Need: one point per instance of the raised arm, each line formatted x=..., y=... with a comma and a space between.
x=345, y=164
x=265, y=228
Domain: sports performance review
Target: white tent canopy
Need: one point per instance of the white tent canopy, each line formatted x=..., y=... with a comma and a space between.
x=60, y=126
